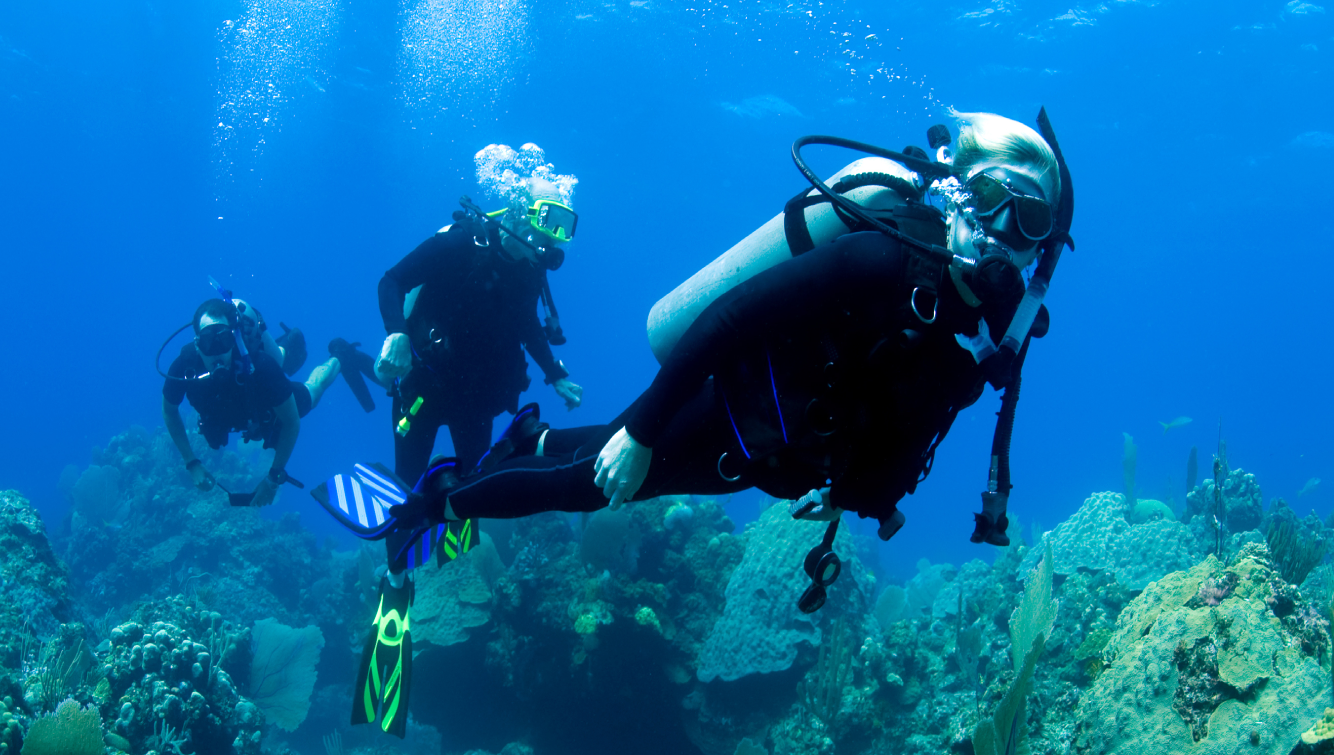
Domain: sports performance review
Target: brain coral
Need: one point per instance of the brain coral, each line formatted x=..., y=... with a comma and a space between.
x=1100, y=537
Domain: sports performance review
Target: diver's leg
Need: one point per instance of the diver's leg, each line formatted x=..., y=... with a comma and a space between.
x=320, y=379
x=528, y=485
x=687, y=455
x=471, y=433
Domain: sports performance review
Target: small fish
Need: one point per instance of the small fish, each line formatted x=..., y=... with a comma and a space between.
x=1309, y=487
x=1178, y=422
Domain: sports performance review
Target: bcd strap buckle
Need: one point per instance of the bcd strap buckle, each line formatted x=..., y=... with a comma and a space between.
x=935, y=305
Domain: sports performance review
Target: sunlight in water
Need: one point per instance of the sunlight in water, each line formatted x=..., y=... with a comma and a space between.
x=276, y=52
x=460, y=51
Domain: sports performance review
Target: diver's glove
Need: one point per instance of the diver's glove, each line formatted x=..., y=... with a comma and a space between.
x=572, y=394
x=200, y=476
x=395, y=357
x=815, y=506
x=622, y=467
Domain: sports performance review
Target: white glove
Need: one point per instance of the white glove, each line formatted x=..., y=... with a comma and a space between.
x=822, y=510
x=572, y=394
x=622, y=467
x=395, y=357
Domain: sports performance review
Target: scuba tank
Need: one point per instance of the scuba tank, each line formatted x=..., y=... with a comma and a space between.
x=771, y=243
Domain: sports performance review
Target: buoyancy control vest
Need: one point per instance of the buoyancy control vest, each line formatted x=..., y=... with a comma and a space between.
x=1000, y=363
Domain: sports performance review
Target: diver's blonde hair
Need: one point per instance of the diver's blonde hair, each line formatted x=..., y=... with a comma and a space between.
x=987, y=140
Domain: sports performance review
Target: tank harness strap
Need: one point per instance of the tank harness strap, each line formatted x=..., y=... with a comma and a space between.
x=798, y=236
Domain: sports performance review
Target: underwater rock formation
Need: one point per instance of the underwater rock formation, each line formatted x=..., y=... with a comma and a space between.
x=33, y=582
x=761, y=626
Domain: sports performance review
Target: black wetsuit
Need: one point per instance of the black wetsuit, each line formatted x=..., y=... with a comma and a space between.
x=474, y=311
x=226, y=405
x=814, y=373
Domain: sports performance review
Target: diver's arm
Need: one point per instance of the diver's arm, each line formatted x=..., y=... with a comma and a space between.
x=429, y=260
x=800, y=292
x=171, y=417
x=289, y=427
x=391, y=296
x=535, y=341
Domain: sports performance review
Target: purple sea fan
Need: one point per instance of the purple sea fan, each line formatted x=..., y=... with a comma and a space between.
x=1214, y=590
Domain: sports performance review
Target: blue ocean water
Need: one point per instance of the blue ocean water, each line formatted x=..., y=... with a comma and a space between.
x=140, y=161
x=296, y=150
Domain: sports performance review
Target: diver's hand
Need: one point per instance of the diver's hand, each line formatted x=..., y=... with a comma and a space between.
x=265, y=492
x=571, y=393
x=395, y=357
x=622, y=467
x=816, y=506
x=200, y=476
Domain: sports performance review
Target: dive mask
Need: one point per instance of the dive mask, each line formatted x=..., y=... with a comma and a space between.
x=995, y=189
x=215, y=340
x=554, y=219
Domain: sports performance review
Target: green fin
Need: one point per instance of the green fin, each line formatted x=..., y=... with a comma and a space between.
x=457, y=539
x=385, y=676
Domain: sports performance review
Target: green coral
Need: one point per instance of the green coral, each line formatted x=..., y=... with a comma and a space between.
x=1321, y=730
x=71, y=730
x=1030, y=625
x=646, y=617
x=586, y=624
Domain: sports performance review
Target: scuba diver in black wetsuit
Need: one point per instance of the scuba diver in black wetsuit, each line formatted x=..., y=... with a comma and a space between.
x=861, y=326
x=457, y=354
x=460, y=310
x=233, y=375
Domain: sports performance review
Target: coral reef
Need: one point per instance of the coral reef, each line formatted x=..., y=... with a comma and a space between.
x=183, y=625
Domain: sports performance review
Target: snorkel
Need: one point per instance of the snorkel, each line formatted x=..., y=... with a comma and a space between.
x=244, y=365
x=1051, y=248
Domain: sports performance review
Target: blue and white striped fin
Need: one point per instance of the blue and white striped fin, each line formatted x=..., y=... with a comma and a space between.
x=376, y=477
x=360, y=501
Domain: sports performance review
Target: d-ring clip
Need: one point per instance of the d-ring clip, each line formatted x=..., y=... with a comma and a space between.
x=935, y=306
x=720, y=469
